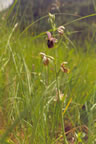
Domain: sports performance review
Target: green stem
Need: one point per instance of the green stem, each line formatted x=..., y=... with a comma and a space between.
x=62, y=120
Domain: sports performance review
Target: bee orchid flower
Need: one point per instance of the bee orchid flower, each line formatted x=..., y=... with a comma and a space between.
x=51, y=40
x=63, y=68
x=46, y=58
x=61, y=30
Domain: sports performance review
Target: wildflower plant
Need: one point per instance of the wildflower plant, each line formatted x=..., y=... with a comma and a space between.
x=46, y=59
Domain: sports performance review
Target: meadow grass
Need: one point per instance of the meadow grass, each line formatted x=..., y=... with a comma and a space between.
x=30, y=91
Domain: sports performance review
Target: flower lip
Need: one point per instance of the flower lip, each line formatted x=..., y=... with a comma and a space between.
x=50, y=44
x=65, y=70
x=45, y=60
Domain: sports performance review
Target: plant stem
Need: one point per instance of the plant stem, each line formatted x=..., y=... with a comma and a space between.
x=62, y=120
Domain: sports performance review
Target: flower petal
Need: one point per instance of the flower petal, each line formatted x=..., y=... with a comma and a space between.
x=49, y=35
x=54, y=40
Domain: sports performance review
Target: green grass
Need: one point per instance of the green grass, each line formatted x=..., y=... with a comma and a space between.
x=28, y=89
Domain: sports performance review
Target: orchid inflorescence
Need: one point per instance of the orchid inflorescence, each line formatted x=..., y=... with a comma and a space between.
x=51, y=40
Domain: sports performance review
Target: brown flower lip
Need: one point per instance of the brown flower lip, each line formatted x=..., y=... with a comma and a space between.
x=51, y=40
x=45, y=61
